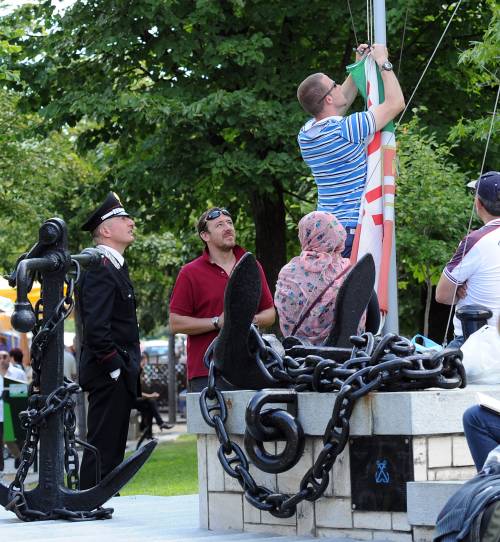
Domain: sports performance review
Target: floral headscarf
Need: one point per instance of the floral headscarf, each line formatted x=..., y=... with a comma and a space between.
x=322, y=239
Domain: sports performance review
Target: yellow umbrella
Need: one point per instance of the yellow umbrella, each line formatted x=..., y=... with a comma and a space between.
x=11, y=293
x=20, y=339
x=5, y=321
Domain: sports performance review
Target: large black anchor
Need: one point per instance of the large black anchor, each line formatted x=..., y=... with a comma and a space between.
x=50, y=261
x=245, y=360
x=371, y=363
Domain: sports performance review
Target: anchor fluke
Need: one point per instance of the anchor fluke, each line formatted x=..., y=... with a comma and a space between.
x=90, y=499
x=111, y=484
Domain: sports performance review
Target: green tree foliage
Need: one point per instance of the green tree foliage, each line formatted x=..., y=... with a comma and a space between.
x=180, y=105
x=7, y=48
x=198, y=98
x=483, y=60
x=432, y=209
x=43, y=177
x=154, y=260
x=40, y=177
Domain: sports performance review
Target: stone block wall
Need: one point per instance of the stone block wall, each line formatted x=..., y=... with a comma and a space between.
x=442, y=458
x=223, y=506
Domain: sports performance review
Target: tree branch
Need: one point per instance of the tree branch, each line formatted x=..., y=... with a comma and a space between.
x=301, y=198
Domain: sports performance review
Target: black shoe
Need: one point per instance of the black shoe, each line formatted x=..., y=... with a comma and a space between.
x=165, y=426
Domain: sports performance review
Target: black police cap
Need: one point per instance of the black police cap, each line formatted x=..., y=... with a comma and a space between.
x=111, y=207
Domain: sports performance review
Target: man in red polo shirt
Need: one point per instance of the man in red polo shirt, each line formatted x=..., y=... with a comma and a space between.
x=197, y=302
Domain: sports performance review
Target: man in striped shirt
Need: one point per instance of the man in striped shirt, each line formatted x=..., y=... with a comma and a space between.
x=333, y=145
x=472, y=276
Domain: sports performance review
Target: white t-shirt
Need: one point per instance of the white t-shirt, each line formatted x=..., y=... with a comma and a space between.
x=477, y=263
x=16, y=374
x=70, y=369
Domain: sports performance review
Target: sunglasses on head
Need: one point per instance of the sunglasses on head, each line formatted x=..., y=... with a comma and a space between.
x=215, y=213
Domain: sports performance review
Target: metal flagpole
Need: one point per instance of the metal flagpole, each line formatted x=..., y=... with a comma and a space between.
x=391, y=324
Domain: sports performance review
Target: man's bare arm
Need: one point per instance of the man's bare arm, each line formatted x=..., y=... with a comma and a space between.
x=196, y=326
x=190, y=325
x=447, y=291
x=350, y=91
x=349, y=88
x=394, y=101
x=265, y=318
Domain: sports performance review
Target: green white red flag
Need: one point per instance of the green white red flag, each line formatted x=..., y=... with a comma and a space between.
x=374, y=232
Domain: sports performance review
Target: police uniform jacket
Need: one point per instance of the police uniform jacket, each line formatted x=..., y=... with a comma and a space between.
x=106, y=302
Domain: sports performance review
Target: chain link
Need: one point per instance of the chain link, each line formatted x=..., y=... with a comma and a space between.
x=377, y=363
x=43, y=332
x=71, y=459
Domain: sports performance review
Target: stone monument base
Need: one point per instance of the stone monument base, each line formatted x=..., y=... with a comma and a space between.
x=427, y=424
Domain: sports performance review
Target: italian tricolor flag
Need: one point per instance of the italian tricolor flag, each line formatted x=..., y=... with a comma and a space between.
x=374, y=232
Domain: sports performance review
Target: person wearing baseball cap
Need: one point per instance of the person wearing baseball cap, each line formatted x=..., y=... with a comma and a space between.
x=110, y=356
x=472, y=275
x=487, y=190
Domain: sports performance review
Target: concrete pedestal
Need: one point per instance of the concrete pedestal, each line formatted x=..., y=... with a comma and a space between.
x=431, y=420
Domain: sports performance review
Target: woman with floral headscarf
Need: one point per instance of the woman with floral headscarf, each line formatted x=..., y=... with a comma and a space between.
x=302, y=280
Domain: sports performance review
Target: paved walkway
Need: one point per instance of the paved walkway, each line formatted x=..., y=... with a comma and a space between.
x=142, y=518
x=136, y=519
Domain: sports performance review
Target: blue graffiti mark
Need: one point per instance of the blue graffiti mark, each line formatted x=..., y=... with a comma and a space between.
x=381, y=475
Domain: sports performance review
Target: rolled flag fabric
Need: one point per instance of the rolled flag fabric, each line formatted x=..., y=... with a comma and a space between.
x=375, y=229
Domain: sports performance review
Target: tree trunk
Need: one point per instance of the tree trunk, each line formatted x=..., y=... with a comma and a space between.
x=268, y=211
x=428, y=299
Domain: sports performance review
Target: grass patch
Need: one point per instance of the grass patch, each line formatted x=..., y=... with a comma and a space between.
x=171, y=470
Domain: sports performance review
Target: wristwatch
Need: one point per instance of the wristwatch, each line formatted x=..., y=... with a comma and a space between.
x=215, y=322
x=386, y=66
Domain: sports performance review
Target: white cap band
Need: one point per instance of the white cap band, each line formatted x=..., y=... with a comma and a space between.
x=118, y=211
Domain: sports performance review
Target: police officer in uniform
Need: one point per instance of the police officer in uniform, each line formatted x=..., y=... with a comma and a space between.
x=110, y=357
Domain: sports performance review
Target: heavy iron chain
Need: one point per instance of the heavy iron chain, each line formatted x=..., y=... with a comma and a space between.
x=71, y=459
x=40, y=408
x=385, y=364
x=31, y=420
x=43, y=332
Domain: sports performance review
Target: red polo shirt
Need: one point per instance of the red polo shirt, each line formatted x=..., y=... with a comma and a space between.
x=199, y=293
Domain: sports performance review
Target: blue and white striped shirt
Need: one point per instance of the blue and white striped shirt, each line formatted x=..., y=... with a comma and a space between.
x=335, y=151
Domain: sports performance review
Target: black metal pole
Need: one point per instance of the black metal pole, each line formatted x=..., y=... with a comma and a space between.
x=172, y=384
x=51, y=469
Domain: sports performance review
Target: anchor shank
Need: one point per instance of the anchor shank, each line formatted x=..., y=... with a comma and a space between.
x=51, y=465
